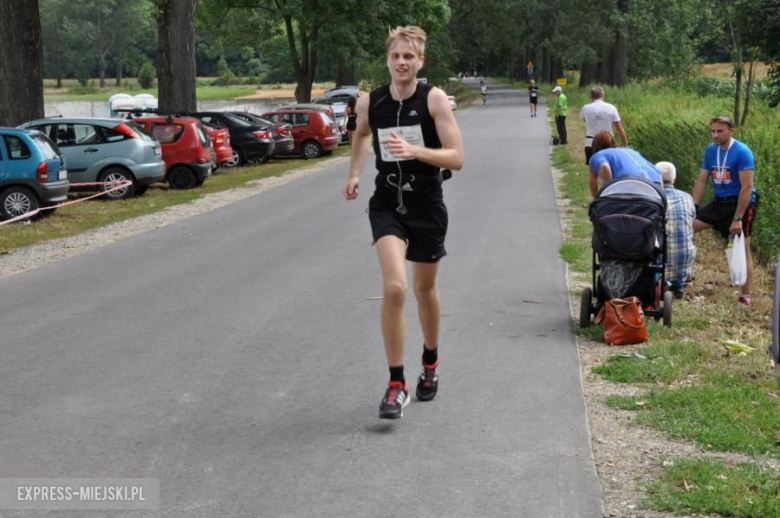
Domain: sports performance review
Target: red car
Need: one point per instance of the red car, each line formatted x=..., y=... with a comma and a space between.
x=186, y=149
x=314, y=132
x=220, y=144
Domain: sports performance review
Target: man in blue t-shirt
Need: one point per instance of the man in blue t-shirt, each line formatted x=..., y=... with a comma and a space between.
x=730, y=165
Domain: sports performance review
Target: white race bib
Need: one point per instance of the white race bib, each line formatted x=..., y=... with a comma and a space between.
x=412, y=134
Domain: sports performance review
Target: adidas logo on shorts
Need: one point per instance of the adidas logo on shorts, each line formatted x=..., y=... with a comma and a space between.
x=407, y=187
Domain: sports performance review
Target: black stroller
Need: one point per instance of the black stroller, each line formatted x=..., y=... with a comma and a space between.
x=629, y=248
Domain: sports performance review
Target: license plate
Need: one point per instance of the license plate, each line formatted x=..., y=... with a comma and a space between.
x=63, y=174
x=158, y=151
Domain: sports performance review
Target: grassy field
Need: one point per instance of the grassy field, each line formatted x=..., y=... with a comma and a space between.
x=691, y=387
x=726, y=70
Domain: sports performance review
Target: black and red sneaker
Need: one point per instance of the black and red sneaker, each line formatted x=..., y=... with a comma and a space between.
x=395, y=400
x=428, y=382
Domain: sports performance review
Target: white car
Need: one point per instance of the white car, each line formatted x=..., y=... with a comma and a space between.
x=453, y=104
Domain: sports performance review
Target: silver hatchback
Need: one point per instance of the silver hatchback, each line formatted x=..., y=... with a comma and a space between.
x=100, y=151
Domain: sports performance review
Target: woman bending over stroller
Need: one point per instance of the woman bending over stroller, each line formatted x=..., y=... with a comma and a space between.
x=609, y=161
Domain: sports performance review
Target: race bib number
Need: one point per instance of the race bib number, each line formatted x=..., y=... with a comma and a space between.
x=721, y=176
x=412, y=134
x=533, y=94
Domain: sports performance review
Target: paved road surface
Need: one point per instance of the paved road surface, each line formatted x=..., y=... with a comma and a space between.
x=236, y=356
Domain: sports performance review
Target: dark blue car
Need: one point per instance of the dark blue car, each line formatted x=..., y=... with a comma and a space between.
x=32, y=172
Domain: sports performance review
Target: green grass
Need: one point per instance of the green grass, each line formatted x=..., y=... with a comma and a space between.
x=715, y=487
x=203, y=93
x=92, y=214
x=741, y=419
x=665, y=362
x=578, y=255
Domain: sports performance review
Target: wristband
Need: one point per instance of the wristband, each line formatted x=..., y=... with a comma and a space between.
x=737, y=218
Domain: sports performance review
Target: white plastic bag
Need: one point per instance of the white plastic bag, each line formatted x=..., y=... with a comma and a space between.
x=735, y=255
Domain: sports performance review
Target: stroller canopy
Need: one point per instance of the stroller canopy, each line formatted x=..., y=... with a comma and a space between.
x=628, y=187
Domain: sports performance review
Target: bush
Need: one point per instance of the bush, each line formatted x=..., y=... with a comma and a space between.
x=146, y=75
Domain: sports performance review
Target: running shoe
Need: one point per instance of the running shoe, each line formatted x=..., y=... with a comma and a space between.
x=745, y=300
x=395, y=400
x=428, y=382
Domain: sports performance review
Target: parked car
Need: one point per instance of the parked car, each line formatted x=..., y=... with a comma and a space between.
x=105, y=150
x=314, y=131
x=220, y=144
x=343, y=91
x=32, y=172
x=280, y=131
x=453, y=104
x=339, y=107
x=248, y=141
x=337, y=112
x=186, y=149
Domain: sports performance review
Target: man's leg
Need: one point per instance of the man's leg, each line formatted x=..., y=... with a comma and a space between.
x=392, y=253
x=429, y=312
x=749, y=257
x=428, y=305
x=564, y=136
x=699, y=225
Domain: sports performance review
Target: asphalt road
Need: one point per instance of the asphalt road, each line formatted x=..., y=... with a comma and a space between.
x=236, y=356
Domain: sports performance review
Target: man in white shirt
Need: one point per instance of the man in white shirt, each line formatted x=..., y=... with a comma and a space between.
x=600, y=116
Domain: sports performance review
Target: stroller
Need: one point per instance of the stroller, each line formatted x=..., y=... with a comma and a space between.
x=629, y=248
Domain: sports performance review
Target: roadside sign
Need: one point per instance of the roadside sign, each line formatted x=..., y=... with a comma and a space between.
x=561, y=81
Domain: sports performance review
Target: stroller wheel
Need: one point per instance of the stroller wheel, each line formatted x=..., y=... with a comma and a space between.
x=668, y=303
x=587, y=295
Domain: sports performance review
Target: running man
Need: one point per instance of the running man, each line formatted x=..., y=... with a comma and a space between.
x=483, y=91
x=415, y=135
x=533, y=92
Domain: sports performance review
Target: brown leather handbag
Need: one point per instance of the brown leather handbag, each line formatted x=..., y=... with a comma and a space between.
x=624, y=321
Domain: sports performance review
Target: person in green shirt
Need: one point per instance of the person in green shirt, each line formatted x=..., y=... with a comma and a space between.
x=560, y=107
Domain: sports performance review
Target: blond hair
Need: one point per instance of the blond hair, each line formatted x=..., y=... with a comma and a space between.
x=411, y=34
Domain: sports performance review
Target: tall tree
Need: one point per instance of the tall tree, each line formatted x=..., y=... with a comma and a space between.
x=21, y=67
x=176, y=54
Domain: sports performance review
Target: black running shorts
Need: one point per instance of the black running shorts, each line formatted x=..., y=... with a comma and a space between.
x=423, y=226
x=720, y=214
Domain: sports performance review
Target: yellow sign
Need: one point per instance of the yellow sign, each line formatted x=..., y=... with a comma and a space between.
x=561, y=81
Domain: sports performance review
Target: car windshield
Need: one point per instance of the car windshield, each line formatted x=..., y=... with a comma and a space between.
x=48, y=148
x=139, y=129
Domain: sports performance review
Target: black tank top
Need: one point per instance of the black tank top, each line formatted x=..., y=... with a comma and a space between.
x=383, y=113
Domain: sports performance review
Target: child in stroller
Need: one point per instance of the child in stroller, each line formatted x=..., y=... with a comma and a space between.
x=629, y=248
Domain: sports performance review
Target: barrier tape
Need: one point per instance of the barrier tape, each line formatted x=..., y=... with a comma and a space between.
x=26, y=215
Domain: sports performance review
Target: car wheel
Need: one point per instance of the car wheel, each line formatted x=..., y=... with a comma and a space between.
x=237, y=159
x=17, y=201
x=117, y=174
x=182, y=177
x=311, y=149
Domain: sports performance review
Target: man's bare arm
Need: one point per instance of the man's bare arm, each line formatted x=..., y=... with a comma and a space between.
x=361, y=143
x=700, y=186
x=621, y=131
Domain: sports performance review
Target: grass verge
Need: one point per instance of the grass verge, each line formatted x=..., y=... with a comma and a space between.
x=694, y=388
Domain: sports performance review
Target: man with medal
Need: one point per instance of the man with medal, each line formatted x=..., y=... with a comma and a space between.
x=730, y=165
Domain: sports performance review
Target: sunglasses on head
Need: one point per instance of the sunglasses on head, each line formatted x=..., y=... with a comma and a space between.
x=723, y=120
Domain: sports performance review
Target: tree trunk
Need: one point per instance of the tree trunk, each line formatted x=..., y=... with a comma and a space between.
x=346, y=73
x=748, y=90
x=21, y=67
x=738, y=70
x=587, y=71
x=619, y=52
x=305, y=67
x=176, y=55
x=119, y=71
